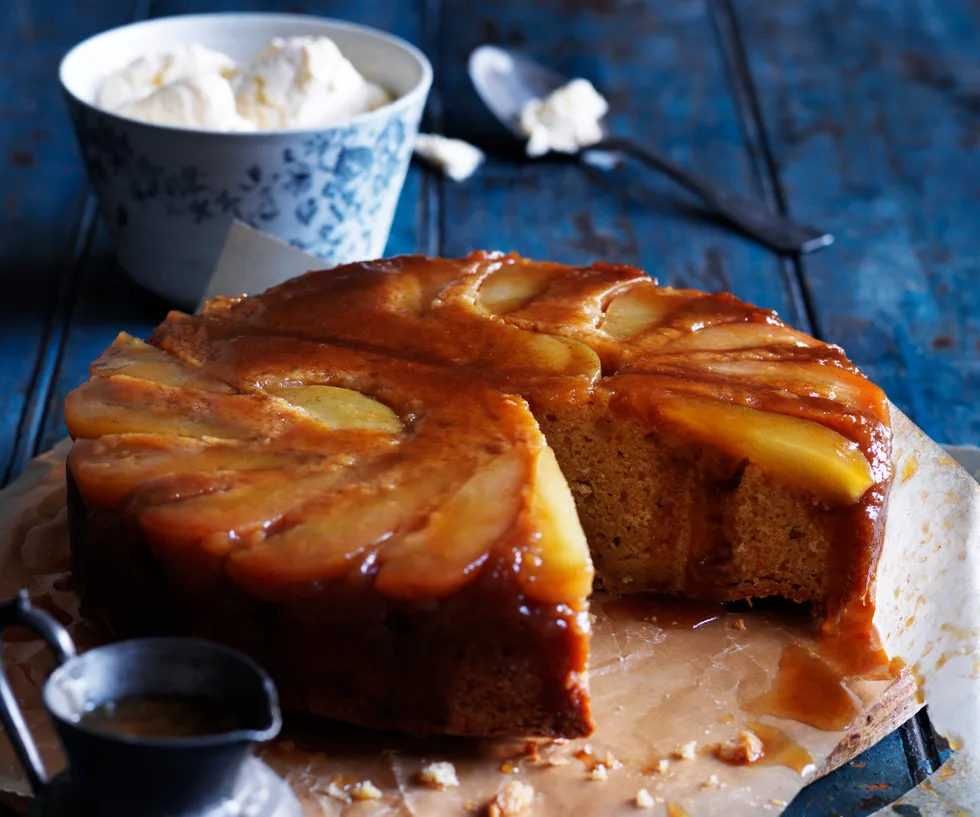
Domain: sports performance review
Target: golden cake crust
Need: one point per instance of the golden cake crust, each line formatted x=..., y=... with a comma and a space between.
x=235, y=468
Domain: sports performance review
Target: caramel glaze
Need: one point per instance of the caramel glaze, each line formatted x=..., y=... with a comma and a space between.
x=429, y=310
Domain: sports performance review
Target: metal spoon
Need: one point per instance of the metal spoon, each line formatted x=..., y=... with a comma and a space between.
x=507, y=80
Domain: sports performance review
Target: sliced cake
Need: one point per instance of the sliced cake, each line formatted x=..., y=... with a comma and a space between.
x=347, y=478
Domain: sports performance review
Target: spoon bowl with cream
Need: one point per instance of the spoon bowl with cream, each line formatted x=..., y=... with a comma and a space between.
x=551, y=113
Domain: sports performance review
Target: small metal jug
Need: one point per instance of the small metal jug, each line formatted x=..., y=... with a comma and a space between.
x=111, y=774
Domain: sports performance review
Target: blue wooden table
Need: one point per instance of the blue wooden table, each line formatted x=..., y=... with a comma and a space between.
x=860, y=117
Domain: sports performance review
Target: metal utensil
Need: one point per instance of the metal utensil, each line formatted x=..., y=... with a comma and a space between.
x=507, y=80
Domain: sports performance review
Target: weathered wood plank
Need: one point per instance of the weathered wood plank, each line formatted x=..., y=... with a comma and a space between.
x=556, y=209
x=860, y=787
x=44, y=225
x=107, y=302
x=873, y=117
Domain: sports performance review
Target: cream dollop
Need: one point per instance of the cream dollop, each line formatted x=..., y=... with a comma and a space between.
x=569, y=119
x=145, y=75
x=454, y=157
x=206, y=102
x=304, y=82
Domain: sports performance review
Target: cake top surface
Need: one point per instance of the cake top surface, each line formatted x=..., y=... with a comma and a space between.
x=371, y=409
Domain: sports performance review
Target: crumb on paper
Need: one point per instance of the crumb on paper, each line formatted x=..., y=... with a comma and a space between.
x=548, y=753
x=742, y=750
x=600, y=773
x=610, y=761
x=712, y=782
x=335, y=791
x=440, y=775
x=663, y=766
x=510, y=767
x=513, y=799
x=687, y=751
x=643, y=799
x=365, y=790
x=739, y=624
x=777, y=802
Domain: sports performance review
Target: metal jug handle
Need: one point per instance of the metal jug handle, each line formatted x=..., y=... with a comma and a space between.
x=20, y=612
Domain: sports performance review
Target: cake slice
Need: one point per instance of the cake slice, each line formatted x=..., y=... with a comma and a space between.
x=429, y=575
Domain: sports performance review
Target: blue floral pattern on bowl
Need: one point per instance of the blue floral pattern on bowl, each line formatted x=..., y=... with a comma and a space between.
x=329, y=193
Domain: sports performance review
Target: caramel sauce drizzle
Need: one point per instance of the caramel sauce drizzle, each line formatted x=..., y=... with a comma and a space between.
x=779, y=750
x=810, y=684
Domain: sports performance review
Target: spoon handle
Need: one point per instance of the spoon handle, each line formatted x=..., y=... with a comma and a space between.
x=753, y=217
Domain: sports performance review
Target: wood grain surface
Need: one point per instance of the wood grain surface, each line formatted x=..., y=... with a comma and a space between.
x=860, y=117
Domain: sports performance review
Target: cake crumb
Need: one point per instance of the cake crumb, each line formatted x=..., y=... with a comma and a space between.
x=643, y=799
x=663, y=766
x=365, y=790
x=742, y=750
x=510, y=767
x=711, y=783
x=532, y=751
x=739, y=624
x=600, y=773
x=336, y=792
x=441, y=775
x=687, y=751
x=513, y=799
x=777, y=802
x=610, y=761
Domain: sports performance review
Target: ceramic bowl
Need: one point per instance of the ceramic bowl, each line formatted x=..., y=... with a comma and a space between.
x=169, y=194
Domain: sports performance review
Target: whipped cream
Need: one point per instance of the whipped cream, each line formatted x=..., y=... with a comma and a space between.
x=570, y=118
x=454, y=157
x=304, y=82
x=145, y=75
x=299, y=82
x=206, y=102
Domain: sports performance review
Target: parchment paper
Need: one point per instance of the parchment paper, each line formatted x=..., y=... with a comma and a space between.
x=655, y=686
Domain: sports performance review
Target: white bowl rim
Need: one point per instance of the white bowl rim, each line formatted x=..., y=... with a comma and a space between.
x=406, y=100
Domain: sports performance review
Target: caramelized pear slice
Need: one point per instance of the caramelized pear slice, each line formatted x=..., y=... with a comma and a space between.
x=803, y=379
x=338, y=530
x=227, y=506
x=132, y=357
x=111, y=467
x=743, y=335
x=557, y=566
x=439, y=559
x=341, y=408
x=803, y=453
x=635, y=311
x=512, y=286
x=558, y=355
x=122, y=404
